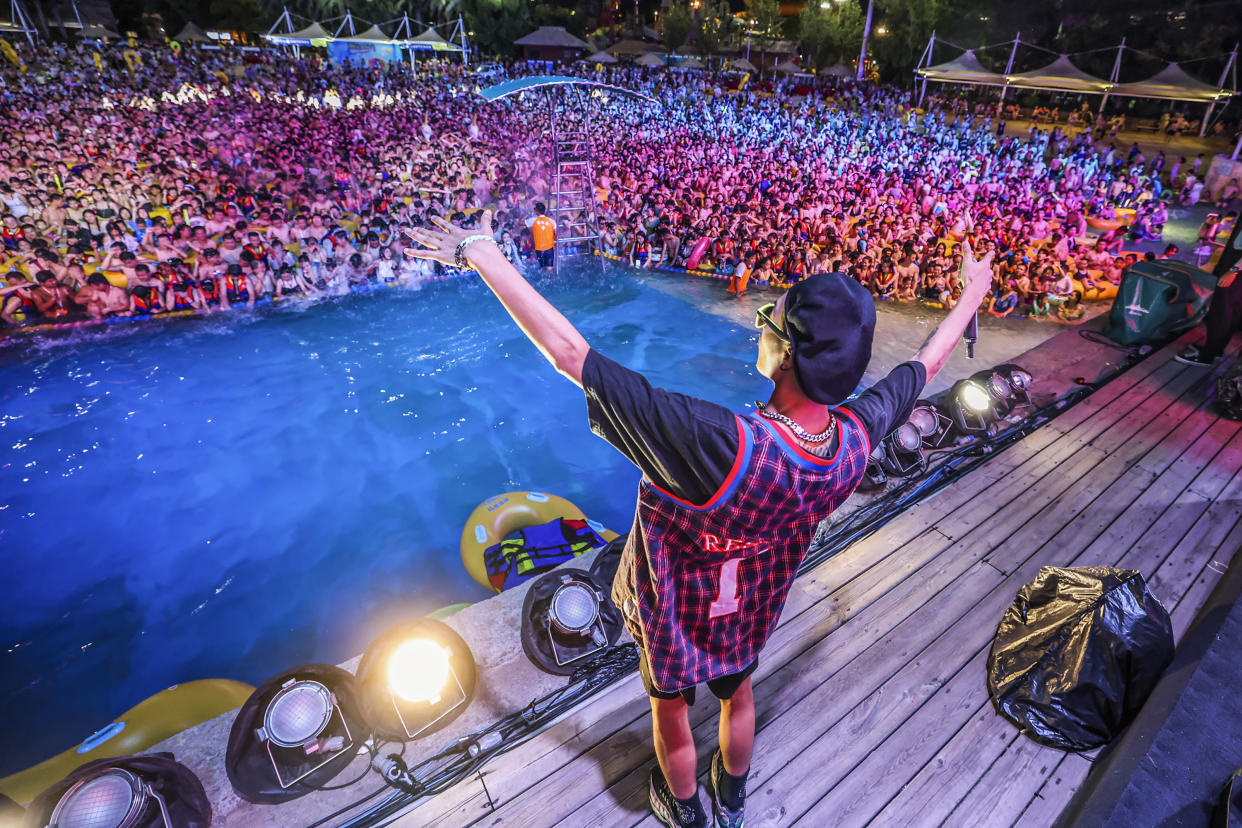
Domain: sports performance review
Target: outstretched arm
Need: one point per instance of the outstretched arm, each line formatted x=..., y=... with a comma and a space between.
x=552, y=333
x=977, y=277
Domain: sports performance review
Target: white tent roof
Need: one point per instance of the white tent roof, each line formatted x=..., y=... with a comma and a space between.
x=372, y=35
x=965, y=68
x=599, y=57
x=788, y=66
x=1172, y=83
x=690, y=63
x=96, y=32
x=839, y=71
x=552, y=36
x=1059, y=75
x=633, y=47
x=192, y=34
x=742, y=65
x=302, y=36
x=650, y=60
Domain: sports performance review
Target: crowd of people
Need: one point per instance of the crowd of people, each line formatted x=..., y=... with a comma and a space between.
x=148, y=180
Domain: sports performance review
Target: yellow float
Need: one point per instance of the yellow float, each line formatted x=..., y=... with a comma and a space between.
x=165, y=714
x=497, y=517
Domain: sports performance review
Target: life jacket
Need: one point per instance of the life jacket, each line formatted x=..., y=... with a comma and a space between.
x=534, y=550
x=258, y=251
x=210, y=289
x=146, y=299
x=182, y=299
x=237, y=286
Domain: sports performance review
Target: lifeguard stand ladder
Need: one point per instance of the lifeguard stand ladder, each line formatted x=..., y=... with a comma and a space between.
x=573, y=169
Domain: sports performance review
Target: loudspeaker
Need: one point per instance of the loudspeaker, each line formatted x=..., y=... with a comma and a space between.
x=1157, y=300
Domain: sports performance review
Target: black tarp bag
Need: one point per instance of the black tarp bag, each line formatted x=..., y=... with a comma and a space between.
x=1228, y=812
x=1077, y=654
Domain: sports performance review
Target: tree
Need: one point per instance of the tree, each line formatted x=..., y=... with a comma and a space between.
x=766, y=23
x=716, y=26
x=497, y=23
x=829, y=31
x=677, y=25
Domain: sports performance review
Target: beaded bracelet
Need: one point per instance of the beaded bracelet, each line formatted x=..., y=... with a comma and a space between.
x=462, y=264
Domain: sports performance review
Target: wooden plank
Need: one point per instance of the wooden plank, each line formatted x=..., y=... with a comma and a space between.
x=1050, y=801
x=1005, y=790
x=892, y=762
x=949, y=775
x=1193, y=599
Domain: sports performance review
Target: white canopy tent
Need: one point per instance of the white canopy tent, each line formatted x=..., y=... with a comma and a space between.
x=741, y=65
x=838, y=71
x=599, y=57
x=1174, y=84
x=650, y=60
x=1059, y=76
x=965, y=68
x=312, y=35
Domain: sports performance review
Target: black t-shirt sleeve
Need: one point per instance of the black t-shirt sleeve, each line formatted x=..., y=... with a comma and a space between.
x=683, y=445
x=887, y=404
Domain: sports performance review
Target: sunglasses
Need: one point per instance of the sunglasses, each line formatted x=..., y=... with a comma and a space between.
x=763, y=317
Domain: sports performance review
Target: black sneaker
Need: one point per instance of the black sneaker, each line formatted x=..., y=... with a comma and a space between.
x=1191, y=356
x=671, y=811
x=726, y=817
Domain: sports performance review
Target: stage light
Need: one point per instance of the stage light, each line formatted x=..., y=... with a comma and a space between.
x=974, y=397
x=934, y=427
x=969, y=406
x=115, y=798
x=296, y=732
x=418, y=670
x=151, y=791
x=566, y=619
x=901, y=452
x=415, y=679
x=1019, y=379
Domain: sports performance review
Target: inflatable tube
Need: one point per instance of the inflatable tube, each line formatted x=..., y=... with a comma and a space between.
x=696, y=253
x=445, y=612
x=1105, y=224
x=495, y=518
x=165, y=714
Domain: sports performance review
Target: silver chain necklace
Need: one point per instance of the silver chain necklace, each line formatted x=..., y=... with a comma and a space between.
x=798, y=430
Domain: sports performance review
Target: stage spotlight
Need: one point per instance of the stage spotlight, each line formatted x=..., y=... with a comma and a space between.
x=566, y=619
x=934, y=428
x=295, y=732
x=129, y=792
x=901, y=453
x=970, y=406
x=1019, y=380
x=415, y=679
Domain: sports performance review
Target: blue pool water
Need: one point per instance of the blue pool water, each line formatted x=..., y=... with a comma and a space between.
x=233, y=495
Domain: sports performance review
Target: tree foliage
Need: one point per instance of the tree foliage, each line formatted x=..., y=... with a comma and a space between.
x=715, y=26
x=497, y=23
x=677, y=25
x=766, y=21
x=830, y=35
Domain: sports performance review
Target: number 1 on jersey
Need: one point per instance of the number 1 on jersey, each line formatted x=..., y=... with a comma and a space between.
x=726, y=602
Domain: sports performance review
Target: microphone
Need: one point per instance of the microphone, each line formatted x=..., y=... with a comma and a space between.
x=971, y=335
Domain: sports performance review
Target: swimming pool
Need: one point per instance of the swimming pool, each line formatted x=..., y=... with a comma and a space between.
x=232, y=495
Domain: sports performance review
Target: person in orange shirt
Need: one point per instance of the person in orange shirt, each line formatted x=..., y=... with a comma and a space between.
x=543, y=229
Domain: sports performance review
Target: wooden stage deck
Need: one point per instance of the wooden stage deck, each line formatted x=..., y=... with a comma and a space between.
x=871, y=696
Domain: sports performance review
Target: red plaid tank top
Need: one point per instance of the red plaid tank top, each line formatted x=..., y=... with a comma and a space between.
x=702, y=587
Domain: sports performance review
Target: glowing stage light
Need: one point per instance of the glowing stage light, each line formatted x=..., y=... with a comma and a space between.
x=115, y=798
x=418, y=670
x=974, y=397
x=152, y=791
x=416, y=678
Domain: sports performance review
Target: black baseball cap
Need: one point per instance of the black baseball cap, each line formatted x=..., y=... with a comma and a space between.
x=830, y=319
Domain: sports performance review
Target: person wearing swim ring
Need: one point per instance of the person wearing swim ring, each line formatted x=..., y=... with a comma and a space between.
x=728, y=503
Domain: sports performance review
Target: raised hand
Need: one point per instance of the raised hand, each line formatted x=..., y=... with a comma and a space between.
x=441, y=244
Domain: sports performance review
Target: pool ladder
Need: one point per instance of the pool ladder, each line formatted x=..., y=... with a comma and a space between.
x=573, y=183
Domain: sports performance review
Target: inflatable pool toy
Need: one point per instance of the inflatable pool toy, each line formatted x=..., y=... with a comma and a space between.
x=497, y=517
x=149, y=722
x=445, y=612
x=1105, y=224
x=696, y=253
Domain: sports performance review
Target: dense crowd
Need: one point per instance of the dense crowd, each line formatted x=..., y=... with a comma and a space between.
x=141, y=180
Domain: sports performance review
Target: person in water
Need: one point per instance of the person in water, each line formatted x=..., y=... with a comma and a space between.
x=728, y=503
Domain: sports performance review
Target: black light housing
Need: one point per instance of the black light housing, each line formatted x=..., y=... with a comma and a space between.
x=1019, y=379
x=901, y=452
x=151, y=791
x=296, y=732
x=567, y=618
x=415, y=679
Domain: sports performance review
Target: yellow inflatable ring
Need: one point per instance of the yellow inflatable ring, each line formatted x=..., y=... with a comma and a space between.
x=165, y=714
x=497, y=517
